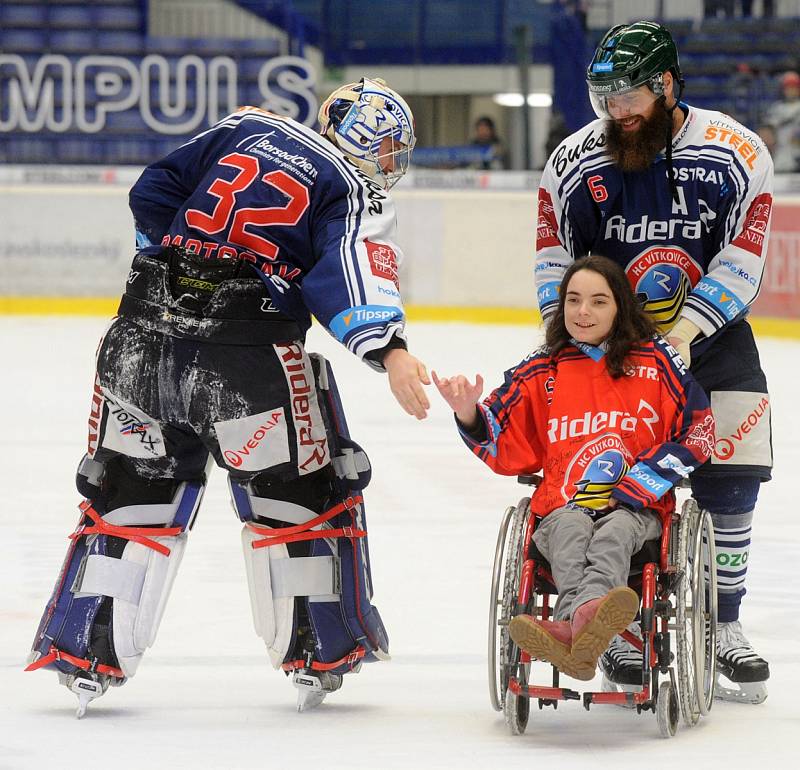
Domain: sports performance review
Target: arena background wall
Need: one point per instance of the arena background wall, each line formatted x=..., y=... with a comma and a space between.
x=68, y=241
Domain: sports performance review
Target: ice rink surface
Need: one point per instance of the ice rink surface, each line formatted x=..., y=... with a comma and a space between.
x=205, y=695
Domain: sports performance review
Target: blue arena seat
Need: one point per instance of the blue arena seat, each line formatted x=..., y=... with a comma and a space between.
x=249, y=67
x=14, y=15
x=129, y=122
x=23, y=40
x=120, y=43
x=70, y=17
x=259, y=46
x=122, y=18
x=72, y=41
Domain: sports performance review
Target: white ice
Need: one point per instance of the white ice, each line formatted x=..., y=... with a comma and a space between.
x=205, y=695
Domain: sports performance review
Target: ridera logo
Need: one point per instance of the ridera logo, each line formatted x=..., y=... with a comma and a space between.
x=648, y=230
x=562, y=428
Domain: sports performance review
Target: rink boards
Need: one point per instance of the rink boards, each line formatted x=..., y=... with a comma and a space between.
x=67, y=246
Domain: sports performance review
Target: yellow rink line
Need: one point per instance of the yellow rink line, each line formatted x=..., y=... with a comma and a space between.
x=107, y=307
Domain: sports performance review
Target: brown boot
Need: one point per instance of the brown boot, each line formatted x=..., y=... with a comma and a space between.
x=549, y=641
x=597, y=622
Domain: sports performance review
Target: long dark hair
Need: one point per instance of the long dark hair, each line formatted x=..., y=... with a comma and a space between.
x=631, y=326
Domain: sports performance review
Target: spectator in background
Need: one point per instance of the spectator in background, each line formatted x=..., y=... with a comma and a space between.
x=579, y=9
x=744, y=88
x=767, y=8
x=557, y=132
x=783, y=118
x=496, y=156
x=712, y=8
x=767, y=134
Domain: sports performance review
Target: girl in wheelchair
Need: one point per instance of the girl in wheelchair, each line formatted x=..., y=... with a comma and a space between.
x=611, y=416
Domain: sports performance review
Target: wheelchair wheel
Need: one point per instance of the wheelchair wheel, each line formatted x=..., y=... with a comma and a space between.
x=667, y=711
x=516, y=710
x=503, y=656
x=696, y=612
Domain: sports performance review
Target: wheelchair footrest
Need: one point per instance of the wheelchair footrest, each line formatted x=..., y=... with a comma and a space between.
x=547, y=693
x=619, y=698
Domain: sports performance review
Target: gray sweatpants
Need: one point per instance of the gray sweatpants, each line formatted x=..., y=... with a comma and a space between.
x=588, y=558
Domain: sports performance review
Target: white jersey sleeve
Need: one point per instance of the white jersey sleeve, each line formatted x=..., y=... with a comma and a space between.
x=735, y=271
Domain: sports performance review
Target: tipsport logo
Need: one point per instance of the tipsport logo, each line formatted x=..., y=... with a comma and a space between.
x=363, y=315
x=722, y=298
x=349, y=119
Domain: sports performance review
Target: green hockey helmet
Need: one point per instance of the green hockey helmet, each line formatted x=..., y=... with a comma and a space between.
x=630, y=56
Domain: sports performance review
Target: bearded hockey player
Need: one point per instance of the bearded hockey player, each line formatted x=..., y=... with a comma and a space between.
x=681, y=198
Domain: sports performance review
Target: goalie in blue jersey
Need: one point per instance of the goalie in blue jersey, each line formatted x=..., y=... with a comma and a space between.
x=243, y=234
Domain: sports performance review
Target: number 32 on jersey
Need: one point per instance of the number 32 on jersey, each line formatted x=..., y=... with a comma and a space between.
x=237, y=222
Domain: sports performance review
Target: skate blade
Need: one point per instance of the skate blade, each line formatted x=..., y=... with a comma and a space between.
x=86, y=690
x=753, y=693
x=310, y=692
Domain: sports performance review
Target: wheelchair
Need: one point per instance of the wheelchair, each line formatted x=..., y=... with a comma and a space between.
x=675, y=577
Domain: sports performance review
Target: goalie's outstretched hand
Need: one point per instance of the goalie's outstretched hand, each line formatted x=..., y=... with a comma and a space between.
x=461, y=396
x=407, y=375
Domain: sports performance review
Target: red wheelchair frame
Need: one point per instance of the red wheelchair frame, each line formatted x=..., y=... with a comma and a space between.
x=677, y=586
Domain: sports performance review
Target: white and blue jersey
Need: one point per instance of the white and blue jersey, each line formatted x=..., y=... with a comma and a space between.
x=700, y=256
x=265, y=189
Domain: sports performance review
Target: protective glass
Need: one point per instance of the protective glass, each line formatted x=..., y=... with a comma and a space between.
x=617, y=105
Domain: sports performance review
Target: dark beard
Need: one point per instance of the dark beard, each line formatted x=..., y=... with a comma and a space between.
x=637, y=150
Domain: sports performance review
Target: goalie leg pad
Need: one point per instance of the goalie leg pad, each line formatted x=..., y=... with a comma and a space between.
x=353, y=474
x=128, y=556
x=274, y=578
x=328, y=586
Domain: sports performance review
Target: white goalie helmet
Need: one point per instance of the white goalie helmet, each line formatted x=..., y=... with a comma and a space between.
x=373, y=126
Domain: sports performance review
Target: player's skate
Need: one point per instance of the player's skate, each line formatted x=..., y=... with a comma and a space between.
x=740, y=665
x=621, y=664
x=86, y=687
x=313, y=686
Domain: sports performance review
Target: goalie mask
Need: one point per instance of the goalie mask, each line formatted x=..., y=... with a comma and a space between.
x=373, y=126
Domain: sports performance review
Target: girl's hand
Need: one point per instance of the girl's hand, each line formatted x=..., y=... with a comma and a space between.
x=461, y=396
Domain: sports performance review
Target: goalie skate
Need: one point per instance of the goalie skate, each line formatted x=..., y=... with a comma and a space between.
x=313, y=686
x=86, y=687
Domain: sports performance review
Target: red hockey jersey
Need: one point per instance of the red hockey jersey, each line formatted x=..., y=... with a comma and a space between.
x=591, y=435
